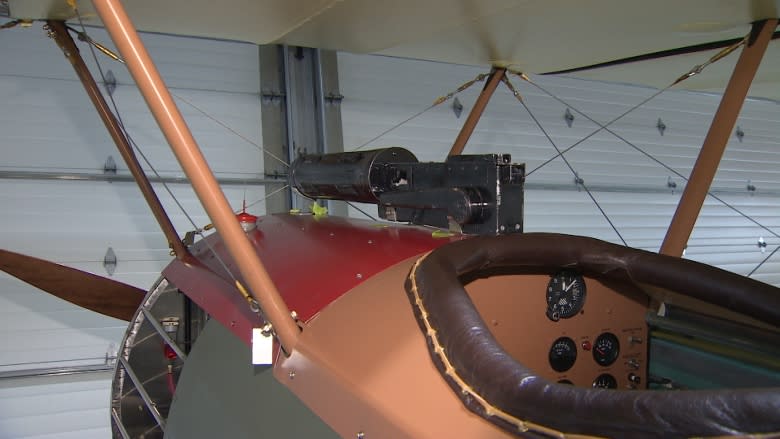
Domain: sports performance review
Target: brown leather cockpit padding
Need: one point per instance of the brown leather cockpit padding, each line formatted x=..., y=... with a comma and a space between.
x=503, y=384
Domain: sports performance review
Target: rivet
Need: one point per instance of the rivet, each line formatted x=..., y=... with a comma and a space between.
x=232, y=324
x=360, y=435
x=291, y=374
x=359, y=276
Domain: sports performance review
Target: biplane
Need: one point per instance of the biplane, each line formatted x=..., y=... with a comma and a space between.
x=445, y=319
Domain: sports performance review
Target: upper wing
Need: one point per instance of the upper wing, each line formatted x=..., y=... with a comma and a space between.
x=534, y=36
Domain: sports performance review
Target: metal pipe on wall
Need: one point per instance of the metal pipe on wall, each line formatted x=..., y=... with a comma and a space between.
x=129, y=178
x=56, y=371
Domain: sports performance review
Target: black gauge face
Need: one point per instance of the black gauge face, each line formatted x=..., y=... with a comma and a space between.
x=606, y=349
x=605, y=381
x=565, y=295
x=563, y=354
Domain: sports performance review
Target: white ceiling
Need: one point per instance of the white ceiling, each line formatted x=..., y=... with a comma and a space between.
x=530, y=35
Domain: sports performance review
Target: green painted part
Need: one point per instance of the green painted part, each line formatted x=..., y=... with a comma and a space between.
x=697, y=369
x=220, y=394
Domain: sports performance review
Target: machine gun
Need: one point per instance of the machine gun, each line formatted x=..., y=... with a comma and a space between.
x=477, y=194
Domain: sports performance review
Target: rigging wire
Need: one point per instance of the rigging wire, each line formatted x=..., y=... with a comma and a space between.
x=571, y=168
x=314, y=200
x=651, y=157
x=414, y=116
x=227, y=127
x=86, y=38
x=440, y=100
x=243, y=208
x=695, y=70
x=267, y=196
x=762, y=262
x=82, y=36
x=602, y=127
x=559, y=153
x=117, y=114
x=362, y=211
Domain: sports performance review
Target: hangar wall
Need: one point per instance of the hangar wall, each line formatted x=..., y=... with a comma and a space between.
x=633, y=190
x=48, y=125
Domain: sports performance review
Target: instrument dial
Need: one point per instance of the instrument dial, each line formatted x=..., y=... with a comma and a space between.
x=565, y=295
x=606, y=349
x=563, y=354
x=605, y=381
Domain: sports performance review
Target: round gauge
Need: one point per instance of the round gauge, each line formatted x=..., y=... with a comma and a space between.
x=563, y=354
x=605, y=381
x=565, y=295
x=606, y=349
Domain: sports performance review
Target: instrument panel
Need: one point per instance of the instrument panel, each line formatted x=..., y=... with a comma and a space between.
x=569, y=328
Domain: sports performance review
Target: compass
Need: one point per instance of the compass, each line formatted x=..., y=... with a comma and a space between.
x=565, y=295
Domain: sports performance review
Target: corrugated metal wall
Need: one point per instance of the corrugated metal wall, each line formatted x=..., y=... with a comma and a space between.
x=48, y=124
x=381, y=92
x=55, y=408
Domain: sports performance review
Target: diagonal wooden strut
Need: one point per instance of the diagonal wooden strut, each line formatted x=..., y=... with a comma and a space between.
x=715, y=143
x=479, y=107
x=63, y=39
x=189, y=155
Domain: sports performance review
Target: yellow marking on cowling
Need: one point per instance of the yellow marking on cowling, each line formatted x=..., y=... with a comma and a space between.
x=319, y=211
x=441, y=234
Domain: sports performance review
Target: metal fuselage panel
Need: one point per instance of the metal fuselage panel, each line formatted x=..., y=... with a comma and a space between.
x=363, y=365
x=312, y=260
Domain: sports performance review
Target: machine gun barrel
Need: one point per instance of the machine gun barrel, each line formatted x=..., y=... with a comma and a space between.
x=480, y=194
x=359, y=176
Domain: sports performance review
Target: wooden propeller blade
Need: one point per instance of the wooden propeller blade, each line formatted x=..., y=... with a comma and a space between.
x=108, y=297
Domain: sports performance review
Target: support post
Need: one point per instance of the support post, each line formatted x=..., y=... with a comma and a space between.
x=273, y=117
x=715, y=143
x=476, y=112
x=178, y=135
x=59, y=33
